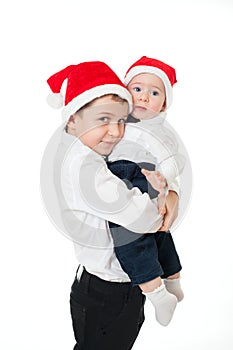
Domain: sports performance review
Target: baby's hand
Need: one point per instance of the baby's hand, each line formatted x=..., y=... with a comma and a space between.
x=159, y=183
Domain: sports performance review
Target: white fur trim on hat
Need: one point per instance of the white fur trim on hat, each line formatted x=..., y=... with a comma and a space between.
x=153, y=70
x=89, y=95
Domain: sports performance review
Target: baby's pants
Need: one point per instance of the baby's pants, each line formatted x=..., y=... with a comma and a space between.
x=142, y=256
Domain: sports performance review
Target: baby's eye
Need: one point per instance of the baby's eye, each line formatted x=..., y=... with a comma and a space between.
x=137, y=89
x=154, y=93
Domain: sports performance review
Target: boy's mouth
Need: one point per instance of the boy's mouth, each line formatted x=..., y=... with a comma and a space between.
x=110, y=143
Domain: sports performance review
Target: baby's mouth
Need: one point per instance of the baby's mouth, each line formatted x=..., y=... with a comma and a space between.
x=140, y=108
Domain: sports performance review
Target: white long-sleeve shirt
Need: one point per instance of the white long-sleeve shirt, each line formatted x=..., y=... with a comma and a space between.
x=89, y=195
x=152, y=141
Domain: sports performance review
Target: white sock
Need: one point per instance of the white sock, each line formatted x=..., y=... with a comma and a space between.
x=164, y=304
x=173, y=286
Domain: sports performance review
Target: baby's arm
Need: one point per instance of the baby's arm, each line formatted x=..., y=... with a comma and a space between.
x=159, y=183
x=171, y=168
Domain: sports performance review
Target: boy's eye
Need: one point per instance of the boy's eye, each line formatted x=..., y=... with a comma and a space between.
x=104, y=120
x=154, y=93
x=122, y=121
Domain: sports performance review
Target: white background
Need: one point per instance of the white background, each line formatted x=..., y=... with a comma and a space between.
x=37, y=263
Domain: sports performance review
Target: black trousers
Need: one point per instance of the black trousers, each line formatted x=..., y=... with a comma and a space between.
x=105, y=315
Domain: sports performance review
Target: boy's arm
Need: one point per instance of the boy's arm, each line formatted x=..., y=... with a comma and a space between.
x=171, y=206
x=94, y=190
x=168, y=205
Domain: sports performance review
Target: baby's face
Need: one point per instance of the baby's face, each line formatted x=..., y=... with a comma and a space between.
x=149, y=97
x=101, y=125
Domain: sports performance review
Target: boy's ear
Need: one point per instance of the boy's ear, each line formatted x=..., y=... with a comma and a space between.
x=71, y=122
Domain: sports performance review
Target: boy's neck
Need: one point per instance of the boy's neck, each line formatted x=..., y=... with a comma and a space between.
x=105, y=158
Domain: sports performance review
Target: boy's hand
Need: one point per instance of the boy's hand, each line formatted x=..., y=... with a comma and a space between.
x=171, y=205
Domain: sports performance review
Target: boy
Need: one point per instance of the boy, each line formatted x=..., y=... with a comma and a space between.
x=106, y=310
x=149, y=141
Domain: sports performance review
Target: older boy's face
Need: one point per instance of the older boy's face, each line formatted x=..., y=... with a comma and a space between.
x=101, y=125
x=148, y=94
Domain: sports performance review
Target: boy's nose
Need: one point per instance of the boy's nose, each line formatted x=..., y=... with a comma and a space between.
x=114, y=129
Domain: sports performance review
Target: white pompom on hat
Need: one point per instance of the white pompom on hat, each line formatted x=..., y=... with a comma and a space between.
x=150, y=65
x=85, y=82
x=55, y=100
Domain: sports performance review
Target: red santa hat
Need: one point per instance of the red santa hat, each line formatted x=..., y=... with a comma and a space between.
x=153, y=66
x=85, y=82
